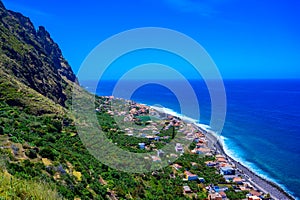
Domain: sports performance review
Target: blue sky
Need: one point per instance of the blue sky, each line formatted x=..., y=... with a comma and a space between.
x=245, y=38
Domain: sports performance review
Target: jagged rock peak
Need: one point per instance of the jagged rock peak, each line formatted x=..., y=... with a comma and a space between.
x=33, y=57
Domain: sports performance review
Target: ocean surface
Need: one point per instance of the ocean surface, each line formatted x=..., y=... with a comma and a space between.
x=262, y=127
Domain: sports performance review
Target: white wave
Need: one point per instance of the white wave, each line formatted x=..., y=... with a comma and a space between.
x=174, y=113
x=204, y=127
x=232, y=151
x=238, y=155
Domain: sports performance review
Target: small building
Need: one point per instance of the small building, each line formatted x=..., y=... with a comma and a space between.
x=255, y=193
x=150, y=137
x=202, y=150
x=214, y=196
x=172, y=175
x=190, y=177
x=220, y=160
x=142, y=145
x=187, y=189
x=200, y=145
x=254, y=198
x=227, y=171
x=160, y=153
x=177, y=166
x=156, y=159
x=223, y=194
x=201, y=180
x=238, y=180
x=196, y=140
x=178, y=147
x=210, y=163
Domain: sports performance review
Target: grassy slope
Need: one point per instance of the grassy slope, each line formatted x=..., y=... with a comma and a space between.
x=13, y=188
x=31, y=122
x=28, y=100
x=35, y=124
x=16, y=93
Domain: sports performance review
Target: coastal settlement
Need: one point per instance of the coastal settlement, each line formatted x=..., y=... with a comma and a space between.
x=157, y=128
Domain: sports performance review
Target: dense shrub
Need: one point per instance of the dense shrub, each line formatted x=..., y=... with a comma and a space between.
x=48, y=153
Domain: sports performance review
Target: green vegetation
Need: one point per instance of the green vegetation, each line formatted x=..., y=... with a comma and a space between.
x=41, y=154
x=231, y=194
x=13, y=188
x=54, y=137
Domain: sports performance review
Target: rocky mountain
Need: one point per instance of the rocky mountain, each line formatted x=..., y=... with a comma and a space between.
x=32, y=57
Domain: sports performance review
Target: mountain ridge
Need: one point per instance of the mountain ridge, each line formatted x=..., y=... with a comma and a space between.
x=33, y=57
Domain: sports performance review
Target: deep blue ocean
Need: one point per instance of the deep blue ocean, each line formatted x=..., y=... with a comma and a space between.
x=262, y=128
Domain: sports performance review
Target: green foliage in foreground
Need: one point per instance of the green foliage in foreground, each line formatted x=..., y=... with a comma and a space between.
x=54, y=136
x=13, y=188
x=231, y=194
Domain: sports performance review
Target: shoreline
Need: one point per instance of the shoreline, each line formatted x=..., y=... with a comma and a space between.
x=259, y=182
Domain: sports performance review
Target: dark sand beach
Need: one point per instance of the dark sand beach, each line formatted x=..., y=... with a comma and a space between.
x=257, y=181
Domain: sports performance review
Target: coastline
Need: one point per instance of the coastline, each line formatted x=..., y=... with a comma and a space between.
x=267, y=186
x=256, y=180
x=263, y=184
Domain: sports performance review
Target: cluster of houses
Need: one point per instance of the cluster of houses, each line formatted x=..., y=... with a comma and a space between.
x=224, y=165
x=201, y=144
x=233, y=176
x=188, y=176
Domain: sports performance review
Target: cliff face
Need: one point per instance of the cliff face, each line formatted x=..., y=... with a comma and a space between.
x=33, y=57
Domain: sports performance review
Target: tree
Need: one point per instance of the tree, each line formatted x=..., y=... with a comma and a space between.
x=31, y=153
x=48, y=153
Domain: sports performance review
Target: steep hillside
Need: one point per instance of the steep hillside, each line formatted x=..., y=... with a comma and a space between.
x=33, y=57
x=41, y=153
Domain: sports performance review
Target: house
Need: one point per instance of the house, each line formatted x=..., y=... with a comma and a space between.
x=150, y=137
x=223, y=194
x=190, y=177
x=199, y=145
x=254, y=198
x=199, y=134
x=142, y=145
x=210, y=163
x=220, y=160
x=220, y=189
x=201, y=180
x=156, y=159
x=223, y=164
x=196, y=140
x=219, y=156
x=187, y=189
x=177, y=166
x=160, y=153
x=177, y=124
x=178, y=147
x=254, y=193
x=172, y=175
x=227, y=171
x=173, y=155
x=202, y=150
x=214, y=196
x=238, y=180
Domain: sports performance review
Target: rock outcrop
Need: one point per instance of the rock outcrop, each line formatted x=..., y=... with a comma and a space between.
x=33, y=57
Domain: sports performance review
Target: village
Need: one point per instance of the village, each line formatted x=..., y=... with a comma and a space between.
x=202, y=143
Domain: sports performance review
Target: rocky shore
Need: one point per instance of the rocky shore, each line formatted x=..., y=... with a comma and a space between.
x=259, y=182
